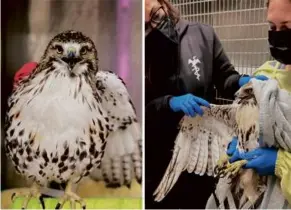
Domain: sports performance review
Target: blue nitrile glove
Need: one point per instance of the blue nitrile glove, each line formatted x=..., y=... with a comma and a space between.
x=189, y=104
x=232, y=146
x=263, y=160
x=245, y=79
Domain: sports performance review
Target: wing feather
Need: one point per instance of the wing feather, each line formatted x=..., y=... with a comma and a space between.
x=122, y=161
x=201, y=141
x=177, y=165
x=198, y=169
x=206, y=147
x=211, y=155
x=215, y=153
x=193, y=158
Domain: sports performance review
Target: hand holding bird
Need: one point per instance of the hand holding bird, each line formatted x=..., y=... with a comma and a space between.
x=262, y=160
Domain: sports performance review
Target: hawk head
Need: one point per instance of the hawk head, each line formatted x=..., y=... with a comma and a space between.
x=73, y=48
x=245, y=95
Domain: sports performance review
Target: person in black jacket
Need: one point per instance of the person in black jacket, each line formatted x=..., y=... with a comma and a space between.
x=184, y=63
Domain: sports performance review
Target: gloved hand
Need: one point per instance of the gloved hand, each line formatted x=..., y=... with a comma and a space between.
x=25, y=70
x=245, y=79
x=232, y=146
x=263, y=160
x=189, y=104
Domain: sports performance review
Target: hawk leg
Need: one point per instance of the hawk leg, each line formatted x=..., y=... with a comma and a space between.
x=32, y=192
x=233, y=168
x=221, y=164
x=72, y=197
x=225, y=168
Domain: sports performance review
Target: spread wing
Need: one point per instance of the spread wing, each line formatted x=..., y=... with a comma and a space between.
x=199, y=144
x=122, y=161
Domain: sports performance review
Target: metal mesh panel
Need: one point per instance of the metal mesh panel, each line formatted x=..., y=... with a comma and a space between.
x=240, y=24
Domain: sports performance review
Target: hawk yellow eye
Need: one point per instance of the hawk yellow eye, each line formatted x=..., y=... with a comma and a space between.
x=83, y=50
x=59, y=49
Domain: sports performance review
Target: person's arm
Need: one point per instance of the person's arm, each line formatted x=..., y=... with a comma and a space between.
x=283, y=171
x=275, y=129
x=226, y=78
x=157, y=105
x=266, y=161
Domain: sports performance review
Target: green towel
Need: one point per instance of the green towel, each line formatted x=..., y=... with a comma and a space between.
x=92, y=203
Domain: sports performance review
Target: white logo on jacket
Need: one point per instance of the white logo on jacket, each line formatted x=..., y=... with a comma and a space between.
x=194, y=66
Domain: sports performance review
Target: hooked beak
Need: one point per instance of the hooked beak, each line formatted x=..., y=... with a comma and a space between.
x=71, y=58
x=71, y=52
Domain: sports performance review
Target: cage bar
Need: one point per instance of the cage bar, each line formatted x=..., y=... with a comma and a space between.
x=240, y=24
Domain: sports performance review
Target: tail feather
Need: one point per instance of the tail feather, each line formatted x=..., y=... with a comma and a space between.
x=127, y=173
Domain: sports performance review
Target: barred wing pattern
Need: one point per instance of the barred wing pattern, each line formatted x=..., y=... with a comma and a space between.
x=122, y=161
x=199, y=144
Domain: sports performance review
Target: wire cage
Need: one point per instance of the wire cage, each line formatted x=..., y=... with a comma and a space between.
x=240, y=24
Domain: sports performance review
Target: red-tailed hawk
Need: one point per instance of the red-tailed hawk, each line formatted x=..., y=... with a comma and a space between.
x=68, y=118
x=201, y=144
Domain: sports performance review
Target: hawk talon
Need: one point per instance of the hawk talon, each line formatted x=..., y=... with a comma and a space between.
x=29, y=193
x=42, y=202
x=72, y=197
x=221, y=165
x=232, y=169
x=12, y=197
x=221, y=174
x=58, y=206
x=217, y=169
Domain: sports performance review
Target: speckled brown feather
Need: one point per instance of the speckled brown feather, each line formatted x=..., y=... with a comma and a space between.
x=202, y=140
x=25, y=146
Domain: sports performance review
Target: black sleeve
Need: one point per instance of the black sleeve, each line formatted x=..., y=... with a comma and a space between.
x=159, y=105
x=156, y=100
x=157, y=108
x=225, y=76
x=158, y=112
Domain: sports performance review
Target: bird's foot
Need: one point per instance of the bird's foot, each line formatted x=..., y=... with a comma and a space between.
x=232, y=169
x=72, y=198
x=28, y=194
x=221, y=164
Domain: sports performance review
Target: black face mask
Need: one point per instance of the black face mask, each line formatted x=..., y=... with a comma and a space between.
x=166, y=28
x=280, y=46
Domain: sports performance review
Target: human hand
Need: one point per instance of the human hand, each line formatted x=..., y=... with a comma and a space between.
x=24, y=71
x=189, y=104
x=245, y=79
x=232, y=146
x=263, y=160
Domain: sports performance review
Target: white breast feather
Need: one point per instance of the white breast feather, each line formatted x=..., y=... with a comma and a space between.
x=56, y=117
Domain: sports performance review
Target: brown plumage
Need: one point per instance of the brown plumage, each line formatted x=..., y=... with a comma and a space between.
x=202, y=141
x=59, y=124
